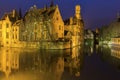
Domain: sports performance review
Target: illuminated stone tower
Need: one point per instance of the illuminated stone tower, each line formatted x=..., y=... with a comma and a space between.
x=77, y=11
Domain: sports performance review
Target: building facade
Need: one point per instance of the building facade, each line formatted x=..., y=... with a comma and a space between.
x=40, y=27
x=74, y=29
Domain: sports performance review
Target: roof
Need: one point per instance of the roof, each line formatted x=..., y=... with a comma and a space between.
x=45, y=12
x=74, y=19
x=10, y=16
x=67, y=21
x=48, y=11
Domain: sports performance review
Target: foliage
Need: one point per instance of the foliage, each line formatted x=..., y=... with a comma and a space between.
x=108, y=32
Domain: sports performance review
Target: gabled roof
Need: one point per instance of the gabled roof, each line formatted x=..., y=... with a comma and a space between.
x=10, y=16
x=67, y=21
x=48, y=11
x=45, y=12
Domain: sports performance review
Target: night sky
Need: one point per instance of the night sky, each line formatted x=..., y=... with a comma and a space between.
x=95, y=13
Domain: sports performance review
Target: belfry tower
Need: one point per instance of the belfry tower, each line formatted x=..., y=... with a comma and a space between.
x=77, y=12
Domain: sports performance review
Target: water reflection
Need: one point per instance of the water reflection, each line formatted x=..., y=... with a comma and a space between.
x=74, y=61
x=110, y=54
x=9, y=60
x=27, y=64
x=88, y=49
x=115, y=52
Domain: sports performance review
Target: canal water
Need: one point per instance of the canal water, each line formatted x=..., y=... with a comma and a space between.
x=79, y=63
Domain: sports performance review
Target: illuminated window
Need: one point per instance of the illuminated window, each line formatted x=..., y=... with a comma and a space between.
x=59, y=27
x=7, y=34
x=0, y=26
x=7, y=25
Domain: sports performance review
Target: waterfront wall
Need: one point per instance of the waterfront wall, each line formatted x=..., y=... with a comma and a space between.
x=41, y=45
x=47, y=45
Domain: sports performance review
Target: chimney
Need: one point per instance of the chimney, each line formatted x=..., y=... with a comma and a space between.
x=71, y=20
x=20, y=13
x=45, y=7
x=13, y=13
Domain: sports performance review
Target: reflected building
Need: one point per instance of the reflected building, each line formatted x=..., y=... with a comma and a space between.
x=9, y=60
x=38, y=64
x=110, y=55
x=74, y=61
x=115, y=53
x=45, y=64
x=88, y=50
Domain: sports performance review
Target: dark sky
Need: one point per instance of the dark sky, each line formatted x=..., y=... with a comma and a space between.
x=94, y=12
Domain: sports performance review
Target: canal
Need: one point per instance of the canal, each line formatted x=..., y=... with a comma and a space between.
x=79, y=63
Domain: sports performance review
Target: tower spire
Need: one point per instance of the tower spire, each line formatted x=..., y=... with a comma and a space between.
x=77, y=11
x=20, y=13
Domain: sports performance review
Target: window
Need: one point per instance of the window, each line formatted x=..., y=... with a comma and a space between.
x=0, y=26
x=59, y=27
x=13, y=36
x=0, y=34
x=57, y=18
x=0, y=65
x=7, y=34
x=7, y=42
x=57, y=13
x=16, y=36
x=7, y=25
